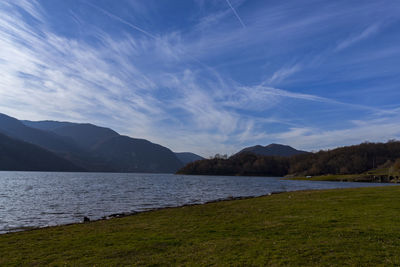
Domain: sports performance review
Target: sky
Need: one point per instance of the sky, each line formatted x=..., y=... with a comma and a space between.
x=207, y=76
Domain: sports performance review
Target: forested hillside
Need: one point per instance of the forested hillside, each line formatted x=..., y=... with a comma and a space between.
x=344, y=160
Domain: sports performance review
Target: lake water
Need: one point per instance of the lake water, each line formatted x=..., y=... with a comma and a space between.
x=38, y=199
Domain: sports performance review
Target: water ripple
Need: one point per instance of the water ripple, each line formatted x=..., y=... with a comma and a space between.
x=35, y=199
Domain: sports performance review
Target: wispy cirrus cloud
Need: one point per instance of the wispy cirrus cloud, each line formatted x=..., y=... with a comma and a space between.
x=47, y=76
x=199, y=88
x=284, y=73
x=317, y=139
x=358, y=37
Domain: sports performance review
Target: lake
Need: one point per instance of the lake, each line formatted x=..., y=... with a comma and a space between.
x=39, y=199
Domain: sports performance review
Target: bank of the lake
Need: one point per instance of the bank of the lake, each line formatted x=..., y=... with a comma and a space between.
x=331, y=178
x=371, y=177
x=326, y=227
x=34, y=199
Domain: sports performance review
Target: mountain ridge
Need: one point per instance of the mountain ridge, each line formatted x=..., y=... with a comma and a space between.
x=91, y=147
x=272, y=150
x=34, y=158
x=188, y=157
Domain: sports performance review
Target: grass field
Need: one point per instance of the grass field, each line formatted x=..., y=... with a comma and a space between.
x=333, y=227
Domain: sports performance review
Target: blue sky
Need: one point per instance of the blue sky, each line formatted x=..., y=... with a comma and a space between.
x=207, y=76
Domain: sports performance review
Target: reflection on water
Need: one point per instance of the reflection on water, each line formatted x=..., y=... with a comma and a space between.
x=37, y=199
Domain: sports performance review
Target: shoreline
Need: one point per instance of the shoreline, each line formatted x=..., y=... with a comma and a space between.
x=347, y=227
x=133, y=213
x=354, y=178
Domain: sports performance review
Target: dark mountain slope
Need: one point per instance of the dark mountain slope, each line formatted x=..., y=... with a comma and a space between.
x=84, y=134
x=272, y=150
x=17, y=155
x=46, y=125
x=48, y=140
x=187, y=157
x=92, y=147
x=64, y=147
x=137, y=155
x=109, y=151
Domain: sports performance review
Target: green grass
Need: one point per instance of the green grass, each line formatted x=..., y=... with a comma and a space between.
x=334, y=227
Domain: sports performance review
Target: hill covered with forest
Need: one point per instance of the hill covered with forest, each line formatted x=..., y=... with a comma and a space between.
x=343, y=160
x=272, y=150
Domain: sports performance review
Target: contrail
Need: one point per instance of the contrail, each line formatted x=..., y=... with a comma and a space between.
x=236, y=14
x=122, y=21
x=211, y=70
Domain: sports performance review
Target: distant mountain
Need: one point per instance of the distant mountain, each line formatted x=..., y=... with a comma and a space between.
x=84, y=134
x=187, y=157
x=16, y=155
x=137, y=155
x=272, y=150
x=91, y=147
x=48, y=140
x=64, y=147
x=46, y=125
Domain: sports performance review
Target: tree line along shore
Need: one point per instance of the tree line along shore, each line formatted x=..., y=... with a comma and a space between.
x=373, y=162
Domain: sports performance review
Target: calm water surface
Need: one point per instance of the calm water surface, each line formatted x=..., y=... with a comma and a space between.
x=38, y=199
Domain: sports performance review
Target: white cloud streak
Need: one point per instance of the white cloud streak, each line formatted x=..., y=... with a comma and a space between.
x=284, y=73
x=313, y=139
x=373, y=29
x=122, y=21
x=236, y=14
